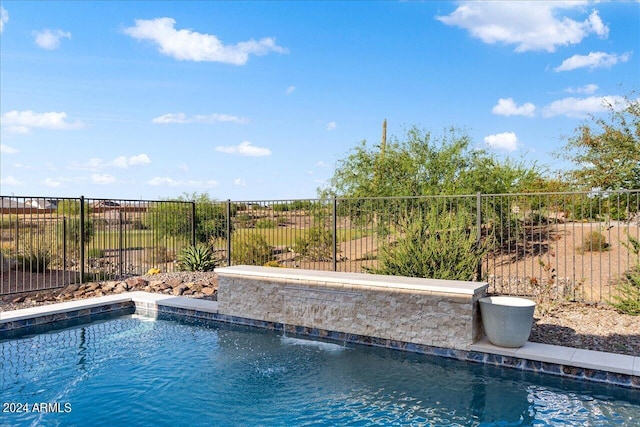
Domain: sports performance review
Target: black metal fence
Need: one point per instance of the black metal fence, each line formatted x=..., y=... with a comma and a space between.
x=556, y=245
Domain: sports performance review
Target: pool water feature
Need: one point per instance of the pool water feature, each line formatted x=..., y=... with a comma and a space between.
x=135, y=370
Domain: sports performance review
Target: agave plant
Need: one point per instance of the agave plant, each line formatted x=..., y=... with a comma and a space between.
x=197, y=258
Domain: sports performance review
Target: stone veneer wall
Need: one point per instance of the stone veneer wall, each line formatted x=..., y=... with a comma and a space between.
x=407, y=310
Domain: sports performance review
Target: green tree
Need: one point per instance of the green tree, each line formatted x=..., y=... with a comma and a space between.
x=422, y=164
x=174, y=217
x=606, y=150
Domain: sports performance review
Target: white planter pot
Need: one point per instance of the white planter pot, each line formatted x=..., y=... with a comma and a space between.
x=507, y=321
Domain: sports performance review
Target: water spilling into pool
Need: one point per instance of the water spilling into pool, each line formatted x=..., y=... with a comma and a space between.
x=132, y=371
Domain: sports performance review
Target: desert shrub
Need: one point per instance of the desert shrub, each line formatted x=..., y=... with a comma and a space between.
x=36, y=260
x=95, y=253
x=138, y=224
x=272, y=263
x=245, y=221
x=594, y=241
x=197, y=257
x=434, y=245
x=70, y=230
x=316, y=245
x=212, y=228
x=265, y=223
x=627, y=301
x=282, y=221
x=280, y=207
x=252, y=250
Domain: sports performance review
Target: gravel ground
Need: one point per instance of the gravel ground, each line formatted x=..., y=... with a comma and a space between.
x=588, y=326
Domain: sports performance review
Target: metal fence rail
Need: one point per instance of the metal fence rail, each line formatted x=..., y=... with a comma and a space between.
x=552, y=245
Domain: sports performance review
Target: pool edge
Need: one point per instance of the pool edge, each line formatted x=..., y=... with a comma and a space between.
x=609, y=368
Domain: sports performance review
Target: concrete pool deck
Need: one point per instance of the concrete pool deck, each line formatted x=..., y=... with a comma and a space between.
x=616, y=369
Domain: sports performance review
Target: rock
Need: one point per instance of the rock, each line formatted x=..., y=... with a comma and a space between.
x=108, y=286
x=208, y=291
x=196, y=287
x=174, y=282
x=39, y=298
x=18, y=299
x=122, y=287
x=136, y=282
x=179, y=290
x=92, y=287
x=69, y=289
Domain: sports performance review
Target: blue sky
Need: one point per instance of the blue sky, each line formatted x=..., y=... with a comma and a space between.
x=258, y=100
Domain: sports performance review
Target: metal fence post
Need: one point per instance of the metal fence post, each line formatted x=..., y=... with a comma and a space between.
x=193, y=223
x=335, y=236
x=120, y=243
x=479, y=230
x=228, y=232
x=82, y=225
x=17, y=233
x=64, y=243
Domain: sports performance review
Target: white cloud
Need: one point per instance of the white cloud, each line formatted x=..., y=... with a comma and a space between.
x=23, y=121
x=171, y=118
x=170, y=182
x=94, y=164
x=7, y=150
x=586, y=89
x=502, y=141
x=210, y=118
x=125, y=162
x=507, y=107
x=188, y=45
x=140, y=159
x=240, y=182
x=4, y=18
x=290, y=90
x=162, y=181
x=592, y=60
x=245, y=149
x=51, y=183
x=50, y=39
x=529, y=25
x=102, y=178
x=9, y=180
x=581, y=107
x=331, y=125
x=322, y=164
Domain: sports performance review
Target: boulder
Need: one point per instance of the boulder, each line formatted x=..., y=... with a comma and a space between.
x=69, y=290
x=136, y=282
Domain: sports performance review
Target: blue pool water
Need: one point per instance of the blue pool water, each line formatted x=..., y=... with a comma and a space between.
x=135, y=371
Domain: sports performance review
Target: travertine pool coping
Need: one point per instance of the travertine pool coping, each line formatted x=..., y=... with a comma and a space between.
x=590, y=365
x=408, y=283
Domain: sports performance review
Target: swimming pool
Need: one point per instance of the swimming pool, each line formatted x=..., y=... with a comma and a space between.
x=133, y=370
